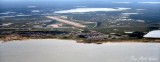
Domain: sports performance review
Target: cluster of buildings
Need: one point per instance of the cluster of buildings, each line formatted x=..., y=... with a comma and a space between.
x=98, y=36
x=93, y=36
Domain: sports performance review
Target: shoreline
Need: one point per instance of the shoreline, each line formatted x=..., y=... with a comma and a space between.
x=90, y=37
x=77, y=40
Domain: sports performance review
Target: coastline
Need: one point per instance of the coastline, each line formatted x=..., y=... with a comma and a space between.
x=86, y=42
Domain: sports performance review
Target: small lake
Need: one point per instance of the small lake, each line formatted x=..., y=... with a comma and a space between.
x=53, y=50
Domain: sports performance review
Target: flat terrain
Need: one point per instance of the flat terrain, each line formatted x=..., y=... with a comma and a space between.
x=67, y=22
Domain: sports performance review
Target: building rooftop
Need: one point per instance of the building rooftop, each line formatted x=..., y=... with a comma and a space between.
x=153, y=34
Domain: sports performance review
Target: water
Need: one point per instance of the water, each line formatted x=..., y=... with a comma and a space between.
x=53, y=50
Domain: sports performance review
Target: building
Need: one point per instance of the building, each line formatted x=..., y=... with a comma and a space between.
x=153, y=34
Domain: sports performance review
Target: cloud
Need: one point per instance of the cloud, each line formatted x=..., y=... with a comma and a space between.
x=130, y=13
x=35, y=11
x=6, y=16
x=80, y=6
x=140, y=9
x=31, y=6
x=83, y=10
x=150, y=2
x=21, y=15
x=123, y=2
x=5, y=13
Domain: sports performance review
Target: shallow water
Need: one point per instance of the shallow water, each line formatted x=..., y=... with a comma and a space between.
x=53, y=50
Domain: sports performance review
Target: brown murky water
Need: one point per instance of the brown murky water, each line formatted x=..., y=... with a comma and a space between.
x=53, y=50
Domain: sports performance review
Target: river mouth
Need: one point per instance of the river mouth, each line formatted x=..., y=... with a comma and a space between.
x=54, y=50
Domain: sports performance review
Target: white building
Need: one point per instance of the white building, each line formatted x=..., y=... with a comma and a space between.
x=153, y=34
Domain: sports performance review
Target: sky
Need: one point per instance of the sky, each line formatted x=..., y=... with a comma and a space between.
x=80, y=0
x=72, y=1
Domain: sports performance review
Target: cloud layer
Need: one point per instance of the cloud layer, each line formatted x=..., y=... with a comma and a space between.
x=83, y=10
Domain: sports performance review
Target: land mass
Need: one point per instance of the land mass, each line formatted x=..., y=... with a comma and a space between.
x=79, y=36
